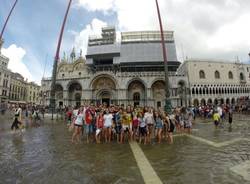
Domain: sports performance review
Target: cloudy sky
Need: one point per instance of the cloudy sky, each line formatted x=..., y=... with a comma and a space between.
x=206, y=29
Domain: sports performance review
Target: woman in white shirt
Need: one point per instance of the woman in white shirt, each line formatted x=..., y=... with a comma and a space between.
x=149, y=119
x=78, y=123
x=108, y=121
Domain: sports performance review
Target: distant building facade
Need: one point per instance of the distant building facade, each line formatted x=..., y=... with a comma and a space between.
x=5, y=77
x=33, y=93
x=216, y=82
x=126, y=72
x=18, y=88
x=14, y=88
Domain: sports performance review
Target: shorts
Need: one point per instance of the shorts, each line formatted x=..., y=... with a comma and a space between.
x=107, y=126
x=78, y=125
x=143, y=131
x=216, y=123
x=89, y=128
x=159, y=126
x=125, y=128
x=118, y=129
x=134, y=128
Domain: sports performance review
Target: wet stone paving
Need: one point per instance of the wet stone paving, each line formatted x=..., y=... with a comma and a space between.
x=43, y=153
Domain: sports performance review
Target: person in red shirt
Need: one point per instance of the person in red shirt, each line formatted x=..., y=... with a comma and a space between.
x=135, y=125
x=99, y=126
x=88, y=123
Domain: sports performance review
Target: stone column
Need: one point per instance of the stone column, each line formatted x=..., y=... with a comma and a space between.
x=65, y=98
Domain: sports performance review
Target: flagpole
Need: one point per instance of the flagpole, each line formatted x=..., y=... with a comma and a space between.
x=168, y=107
x=56, y=60
x=5, y=24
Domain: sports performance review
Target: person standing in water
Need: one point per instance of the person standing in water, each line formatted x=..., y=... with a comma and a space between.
x=216, y=118
x=78, y=123
x=230, y=116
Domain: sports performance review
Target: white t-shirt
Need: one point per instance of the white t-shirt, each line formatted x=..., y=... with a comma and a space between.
x=219, y=109
x=79, y=119
x=108, y=120
x=149, y=118
x=75, y=112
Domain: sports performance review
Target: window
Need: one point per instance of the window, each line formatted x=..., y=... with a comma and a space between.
x=136, y=97
x=159, y=104
x=217, y=74
x=202, y=74
x=241, y=76
x=230, y=75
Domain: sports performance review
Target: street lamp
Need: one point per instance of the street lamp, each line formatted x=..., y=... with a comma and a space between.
x=168, y=106
x=56, y=60
x=5, y=24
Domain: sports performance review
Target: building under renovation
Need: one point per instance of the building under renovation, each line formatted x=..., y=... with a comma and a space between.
x=128, y=71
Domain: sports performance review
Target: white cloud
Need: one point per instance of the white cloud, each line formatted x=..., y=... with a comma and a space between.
x=205, y=28
x=97, y=5
x=16, y=63
x=94, y=28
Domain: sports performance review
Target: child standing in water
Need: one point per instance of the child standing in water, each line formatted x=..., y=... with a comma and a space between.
x=216, y=118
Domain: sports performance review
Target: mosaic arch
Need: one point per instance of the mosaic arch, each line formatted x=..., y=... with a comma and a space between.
x=103, y=89
x=59, y=94
x=136, y=92
x=158, y=93
x=74, y=93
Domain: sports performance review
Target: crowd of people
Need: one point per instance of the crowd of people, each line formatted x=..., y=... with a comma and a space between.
x=26, y=115
x=120, y=124
x=103, y=124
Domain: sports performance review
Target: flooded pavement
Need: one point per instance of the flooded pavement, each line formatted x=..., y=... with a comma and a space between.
x=192, y=161
x=44, y=154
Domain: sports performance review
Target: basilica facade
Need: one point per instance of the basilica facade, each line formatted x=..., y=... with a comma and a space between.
x=129, y=72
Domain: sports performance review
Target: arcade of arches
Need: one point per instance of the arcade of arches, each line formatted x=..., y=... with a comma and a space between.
x=218, y=94
x=106, y=89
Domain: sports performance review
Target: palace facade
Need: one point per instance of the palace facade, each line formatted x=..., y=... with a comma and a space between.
x=216, y=82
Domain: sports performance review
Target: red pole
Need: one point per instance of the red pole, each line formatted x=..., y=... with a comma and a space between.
x=53, y=82
x=162, y=34
x=5, y=24
x=167, y=94
x=62, y=30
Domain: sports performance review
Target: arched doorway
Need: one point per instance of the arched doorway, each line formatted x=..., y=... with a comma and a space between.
x=137, y=89
x=75, y=93
x=196, y=102
x=221, y=101
x=215, y=101
x=59, y=95
x=227, y=101
x=203, y=102
x=104, y=87
x=209, y=101
x=233, y=101
x=104, y=97
x=158, y=91
x=182, y=93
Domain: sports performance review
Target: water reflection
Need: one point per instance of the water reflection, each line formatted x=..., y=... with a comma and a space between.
x=44, y=154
